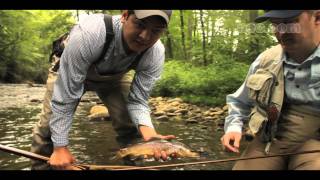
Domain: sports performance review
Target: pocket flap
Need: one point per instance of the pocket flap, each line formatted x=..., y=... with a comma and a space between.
x=257, y=80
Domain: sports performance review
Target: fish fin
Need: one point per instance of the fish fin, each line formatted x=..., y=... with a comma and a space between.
x=154, y=139
x=115, y=157
x=120, y=154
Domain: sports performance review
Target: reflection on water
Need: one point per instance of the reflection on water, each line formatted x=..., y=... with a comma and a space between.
x=93, y=142
x=15, y=131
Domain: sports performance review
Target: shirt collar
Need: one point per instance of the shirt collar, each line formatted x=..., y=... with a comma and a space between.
x=314, y=55
x=314, y=59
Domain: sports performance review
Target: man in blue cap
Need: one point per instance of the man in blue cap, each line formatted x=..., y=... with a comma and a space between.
x=87, y=64
x=280, y=97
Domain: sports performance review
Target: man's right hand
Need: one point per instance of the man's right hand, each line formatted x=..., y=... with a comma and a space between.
x=61, y=158
x=149, y=133
x=231, y=141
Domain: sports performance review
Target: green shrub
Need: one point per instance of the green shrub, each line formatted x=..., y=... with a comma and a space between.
x=198, y=84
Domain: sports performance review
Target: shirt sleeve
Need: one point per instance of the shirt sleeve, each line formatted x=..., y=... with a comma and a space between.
x=239, y=104
x=147, y=73
x=84, y=47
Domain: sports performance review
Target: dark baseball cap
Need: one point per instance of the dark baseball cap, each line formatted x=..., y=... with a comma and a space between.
x=283, y=14
x=165, y=14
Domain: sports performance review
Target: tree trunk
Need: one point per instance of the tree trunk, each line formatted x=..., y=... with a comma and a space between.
x=195, y=27
x=203, y=39
x=169, y=51
x=252, y=15
x=190, y=27
x=77, y=15
x=254, y=44
x=212, y=35
x=182, y=35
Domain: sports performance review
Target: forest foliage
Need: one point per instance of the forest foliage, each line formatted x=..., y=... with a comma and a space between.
x=208, y=52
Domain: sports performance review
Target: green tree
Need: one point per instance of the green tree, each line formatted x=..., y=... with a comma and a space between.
x=26, y=38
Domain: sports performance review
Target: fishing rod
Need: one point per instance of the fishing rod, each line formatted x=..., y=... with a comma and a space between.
x=119, y=168
x=217, y=161
x=31, y=155
x=35, y=156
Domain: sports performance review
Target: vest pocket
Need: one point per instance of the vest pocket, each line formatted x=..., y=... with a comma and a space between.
x=260, y=86
x=257, y=118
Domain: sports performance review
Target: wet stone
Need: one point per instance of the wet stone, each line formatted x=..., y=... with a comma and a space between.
x=171, y=114
x=182, y=111
x=159, y=113
x=191, y=121
x=163, y=118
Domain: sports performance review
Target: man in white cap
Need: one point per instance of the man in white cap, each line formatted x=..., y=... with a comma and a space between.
x=280, y=97
x=87, y=64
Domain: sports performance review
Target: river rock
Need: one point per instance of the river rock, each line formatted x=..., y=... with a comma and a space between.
x=208, y=118
x=166, y=109
x=159, y=113
x=215, y=109
x=171, y=109
x=98, y=112
x=158, y=99
x=162, y=118
x=225, y=108
x=197, y=110
x=178, y=100
x=177, y=118
x=181, y=111
x=216, y=113
x=206, y=113
x=171, y=114
x=191, y=121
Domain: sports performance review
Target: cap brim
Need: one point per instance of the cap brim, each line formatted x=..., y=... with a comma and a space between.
x=282, y=14
x=146, y=13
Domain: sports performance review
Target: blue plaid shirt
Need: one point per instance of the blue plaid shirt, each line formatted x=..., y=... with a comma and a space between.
x=84, y=47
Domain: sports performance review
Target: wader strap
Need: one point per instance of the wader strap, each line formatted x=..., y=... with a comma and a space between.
x=109, y=37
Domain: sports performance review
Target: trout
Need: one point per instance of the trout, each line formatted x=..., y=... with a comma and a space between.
x=146, y=149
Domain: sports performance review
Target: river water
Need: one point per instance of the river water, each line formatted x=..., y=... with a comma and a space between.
x=93, y=142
